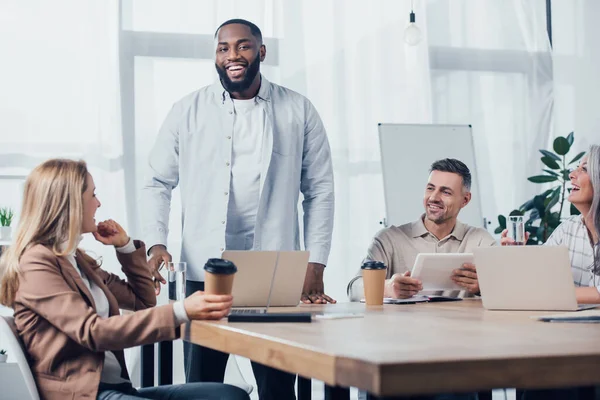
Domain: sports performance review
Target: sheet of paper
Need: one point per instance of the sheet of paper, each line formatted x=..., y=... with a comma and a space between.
x=587, y=316
x=338, y=315
x=410, y=300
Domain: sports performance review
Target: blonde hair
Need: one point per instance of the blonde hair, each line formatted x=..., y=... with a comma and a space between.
x=51, y=215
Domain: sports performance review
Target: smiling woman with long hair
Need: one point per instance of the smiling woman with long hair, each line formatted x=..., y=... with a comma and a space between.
x=580, y=232
x=66, y=307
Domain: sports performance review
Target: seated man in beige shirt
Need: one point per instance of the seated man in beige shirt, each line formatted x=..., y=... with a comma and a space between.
x=437, y=231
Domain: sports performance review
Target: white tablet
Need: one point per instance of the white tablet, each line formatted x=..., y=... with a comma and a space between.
x=435, y=269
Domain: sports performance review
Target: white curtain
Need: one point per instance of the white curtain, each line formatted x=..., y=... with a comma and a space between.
x=492, y=68
x=576, y=65
x=94, y=79
x=486, y=62
x=350, y=59
x=60, y=94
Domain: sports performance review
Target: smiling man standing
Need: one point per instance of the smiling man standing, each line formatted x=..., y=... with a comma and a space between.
x=241, y=151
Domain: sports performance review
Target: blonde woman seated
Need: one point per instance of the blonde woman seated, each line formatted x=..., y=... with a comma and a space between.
x=66, y=307
x=580, y=232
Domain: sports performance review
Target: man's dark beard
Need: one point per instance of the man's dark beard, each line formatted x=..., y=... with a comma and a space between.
x=245, y=83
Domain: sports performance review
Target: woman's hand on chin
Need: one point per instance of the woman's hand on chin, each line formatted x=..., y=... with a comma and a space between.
x=111, y=234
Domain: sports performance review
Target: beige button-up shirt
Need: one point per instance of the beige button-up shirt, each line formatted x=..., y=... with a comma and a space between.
x=397, y=247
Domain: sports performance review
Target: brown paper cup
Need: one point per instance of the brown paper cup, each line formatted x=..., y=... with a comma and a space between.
x=374, y=282
x=218, y=276
x=218, y=283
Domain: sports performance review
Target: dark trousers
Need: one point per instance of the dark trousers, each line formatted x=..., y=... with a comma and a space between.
x=466, y=396
x=206, y=365
x=189, y=391
x=578, y=393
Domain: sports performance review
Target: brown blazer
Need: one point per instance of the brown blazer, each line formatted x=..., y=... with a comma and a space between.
x=65, y=339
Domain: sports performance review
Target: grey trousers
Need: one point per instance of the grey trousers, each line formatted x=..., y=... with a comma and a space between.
x=188, y=391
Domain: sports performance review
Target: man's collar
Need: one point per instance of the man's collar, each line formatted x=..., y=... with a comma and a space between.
x=419, y=229
x=459, y=230
x=264, y=92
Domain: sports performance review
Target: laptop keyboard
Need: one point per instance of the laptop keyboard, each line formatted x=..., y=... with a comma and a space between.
x=248, y=311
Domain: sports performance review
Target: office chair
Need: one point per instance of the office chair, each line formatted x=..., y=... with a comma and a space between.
x=16, y=349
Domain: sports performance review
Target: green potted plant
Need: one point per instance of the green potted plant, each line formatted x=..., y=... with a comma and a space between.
x=3, y=356
x=544, y=211
x=6, y=217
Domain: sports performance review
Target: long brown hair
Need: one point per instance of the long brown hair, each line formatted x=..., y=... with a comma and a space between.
x=51, y=215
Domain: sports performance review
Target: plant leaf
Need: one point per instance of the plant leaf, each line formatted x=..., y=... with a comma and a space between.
x=538, y=203
x=550, y=154
x=571, y=138
x=553, y=220
x=542, y=178
x=577, y=157
x=574, y=210
x=561, y=146
x=550, y=163
x=502, y=222
x=540, y=231
x=553, y=200
x=528, y=205
x=551, y=172
x=532, y=230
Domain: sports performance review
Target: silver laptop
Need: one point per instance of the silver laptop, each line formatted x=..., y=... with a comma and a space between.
x=526, y=278
x=267, y=279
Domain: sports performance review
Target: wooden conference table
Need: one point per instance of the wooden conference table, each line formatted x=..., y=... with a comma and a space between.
x=415, y=349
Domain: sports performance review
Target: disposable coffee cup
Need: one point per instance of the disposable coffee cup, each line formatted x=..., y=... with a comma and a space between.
x=374, y=273
x=218, y=276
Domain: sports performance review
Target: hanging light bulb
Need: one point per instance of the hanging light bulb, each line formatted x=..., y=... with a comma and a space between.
x=412, y=33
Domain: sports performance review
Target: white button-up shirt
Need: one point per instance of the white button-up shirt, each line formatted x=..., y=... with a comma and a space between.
x=573, y=234
x=194, y=149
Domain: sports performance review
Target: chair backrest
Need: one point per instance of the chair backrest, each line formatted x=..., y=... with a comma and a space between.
x=8, y=329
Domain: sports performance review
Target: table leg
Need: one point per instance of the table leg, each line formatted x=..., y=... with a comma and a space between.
x=147, y=365
x=484, y=395
x=304, y=388
x=165, y=363
x=336, y=393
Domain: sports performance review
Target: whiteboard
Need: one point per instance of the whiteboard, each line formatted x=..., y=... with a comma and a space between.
x=407, y=152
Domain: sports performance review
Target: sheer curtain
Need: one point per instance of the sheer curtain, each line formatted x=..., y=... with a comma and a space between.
x=61, y=94
x=94, y=80
x=482, y=62
x=492, y=68
x=355, y=68
x=576, y=65
x=350, y=59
